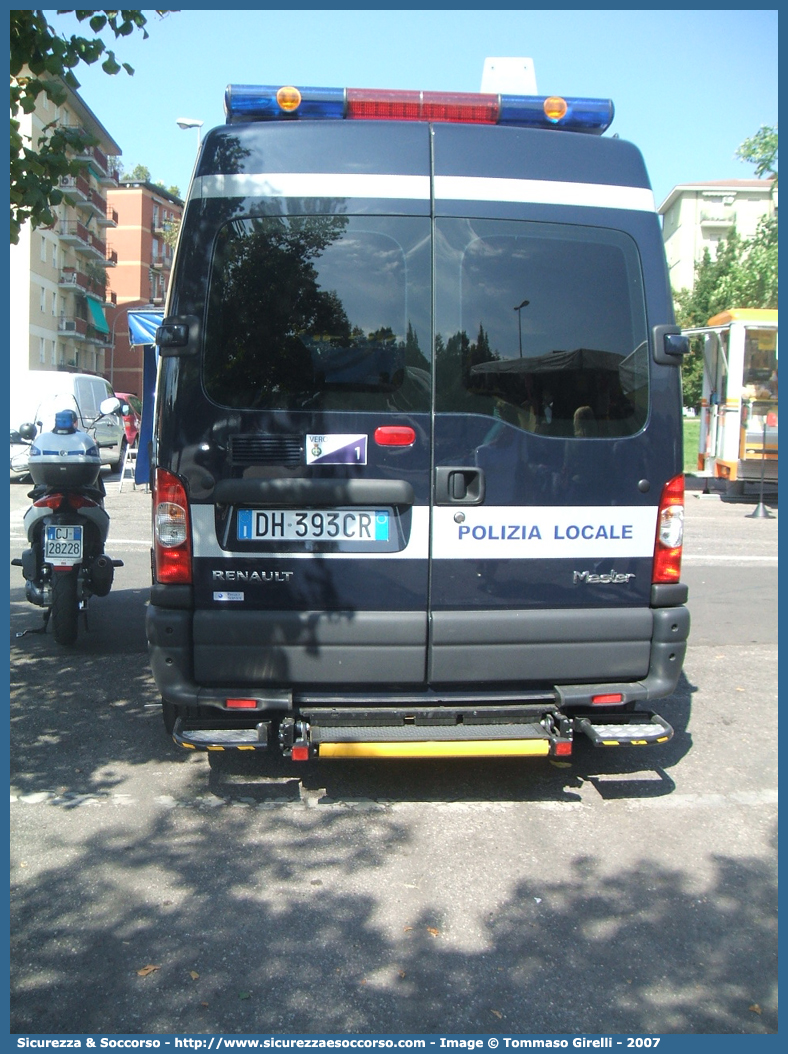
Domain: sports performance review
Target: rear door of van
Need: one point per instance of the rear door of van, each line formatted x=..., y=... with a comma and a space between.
x=550, y=438
x=304, y=434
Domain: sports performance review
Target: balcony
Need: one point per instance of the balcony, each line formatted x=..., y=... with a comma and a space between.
x=75, y=189
x=70, y=278
x=97, y=205
x=110, y=219
x=78, y=281
x=161, y=262
x=718, y=216
x=111, y=259
x=73, y=328
x=74, y=233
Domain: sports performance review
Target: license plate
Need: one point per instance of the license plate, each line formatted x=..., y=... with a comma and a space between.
x=63, y=546
x=360, y=526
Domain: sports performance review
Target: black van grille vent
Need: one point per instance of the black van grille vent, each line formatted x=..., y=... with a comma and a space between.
x=267, y=450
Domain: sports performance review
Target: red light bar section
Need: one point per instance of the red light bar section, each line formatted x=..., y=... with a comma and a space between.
x=375, y=105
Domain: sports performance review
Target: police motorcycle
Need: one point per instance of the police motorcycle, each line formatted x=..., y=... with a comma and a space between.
x=67, y=525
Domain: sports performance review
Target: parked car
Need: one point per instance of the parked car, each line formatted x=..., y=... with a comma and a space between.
x=133, y=419
x=44, y=392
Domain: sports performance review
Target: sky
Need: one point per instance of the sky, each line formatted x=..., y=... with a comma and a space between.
x=688, y=86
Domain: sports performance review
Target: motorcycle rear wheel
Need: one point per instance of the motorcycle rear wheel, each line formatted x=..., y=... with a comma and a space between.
x=65, y=606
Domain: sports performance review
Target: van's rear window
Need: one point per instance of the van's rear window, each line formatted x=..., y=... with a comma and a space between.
x=321, y=312
x=542, y=325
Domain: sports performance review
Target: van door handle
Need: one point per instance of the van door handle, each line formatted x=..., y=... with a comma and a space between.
x=458, y=485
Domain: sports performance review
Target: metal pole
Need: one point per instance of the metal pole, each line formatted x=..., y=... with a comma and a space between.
x=760, y=511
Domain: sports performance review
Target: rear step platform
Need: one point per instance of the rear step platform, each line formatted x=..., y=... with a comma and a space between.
x=624, y=730
x=221, y=738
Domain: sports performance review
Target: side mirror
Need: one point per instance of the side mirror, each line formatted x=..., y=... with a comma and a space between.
x=110, y=406
x=27, y=431
x=178, y=335
x=125, y=409
x=669, y=346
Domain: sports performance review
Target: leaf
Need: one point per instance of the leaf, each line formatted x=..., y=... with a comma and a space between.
x=433, y=931
x=497, y=1013
x=194, y=975
x=755, y=1009
x=147, y=970
x=402, y=974
x=244, y=995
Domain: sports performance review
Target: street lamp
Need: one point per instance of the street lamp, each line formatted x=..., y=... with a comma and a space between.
x=190, y=122
x=518, y=309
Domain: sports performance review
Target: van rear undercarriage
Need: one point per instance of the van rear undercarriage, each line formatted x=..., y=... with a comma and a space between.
x=533, y=726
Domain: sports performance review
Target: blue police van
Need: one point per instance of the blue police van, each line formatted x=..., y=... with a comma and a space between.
x=417, y=460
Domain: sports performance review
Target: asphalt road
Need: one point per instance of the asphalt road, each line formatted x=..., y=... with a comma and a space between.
x=622, y=892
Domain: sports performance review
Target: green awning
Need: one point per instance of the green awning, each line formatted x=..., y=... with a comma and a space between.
x=97, y=313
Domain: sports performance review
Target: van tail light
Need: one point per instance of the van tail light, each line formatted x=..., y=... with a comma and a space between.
x=172, y=542
x=670, y=532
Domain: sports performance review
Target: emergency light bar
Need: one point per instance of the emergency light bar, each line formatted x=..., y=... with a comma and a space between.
x=251, y=103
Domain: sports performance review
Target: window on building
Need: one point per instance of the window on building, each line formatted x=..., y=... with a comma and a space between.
x=42, y=350
x=42, y=300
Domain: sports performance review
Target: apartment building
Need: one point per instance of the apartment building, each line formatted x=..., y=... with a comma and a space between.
x=145, y=212
x=59, y=276
x=698, y=216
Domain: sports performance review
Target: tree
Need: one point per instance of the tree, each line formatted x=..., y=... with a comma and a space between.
x=139, y=174
x=761, y=150
x=743, y=273
x=42, y=62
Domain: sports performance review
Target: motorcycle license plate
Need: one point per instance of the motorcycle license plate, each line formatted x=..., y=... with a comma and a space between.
x=63, y=546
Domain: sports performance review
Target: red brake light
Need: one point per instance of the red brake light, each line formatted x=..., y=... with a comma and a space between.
x=171, y=530
x=670, y=532
x=79, y=501
x=241, y=704
x=395, y=435
x=50, y=501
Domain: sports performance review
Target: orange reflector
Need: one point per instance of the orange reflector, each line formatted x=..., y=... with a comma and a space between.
x=289, y=99
x=555, y=108
x=395, y=435
x=607, y=700
x=241, y=704
x=300, y=754
x=563, y=749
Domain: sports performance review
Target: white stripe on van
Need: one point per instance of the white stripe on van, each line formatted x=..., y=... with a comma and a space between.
x=417, y=188
x=487, y=532
x=312, y=185
x=543, y=192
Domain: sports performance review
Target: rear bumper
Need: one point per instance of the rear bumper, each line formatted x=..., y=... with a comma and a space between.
x=371, y=683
